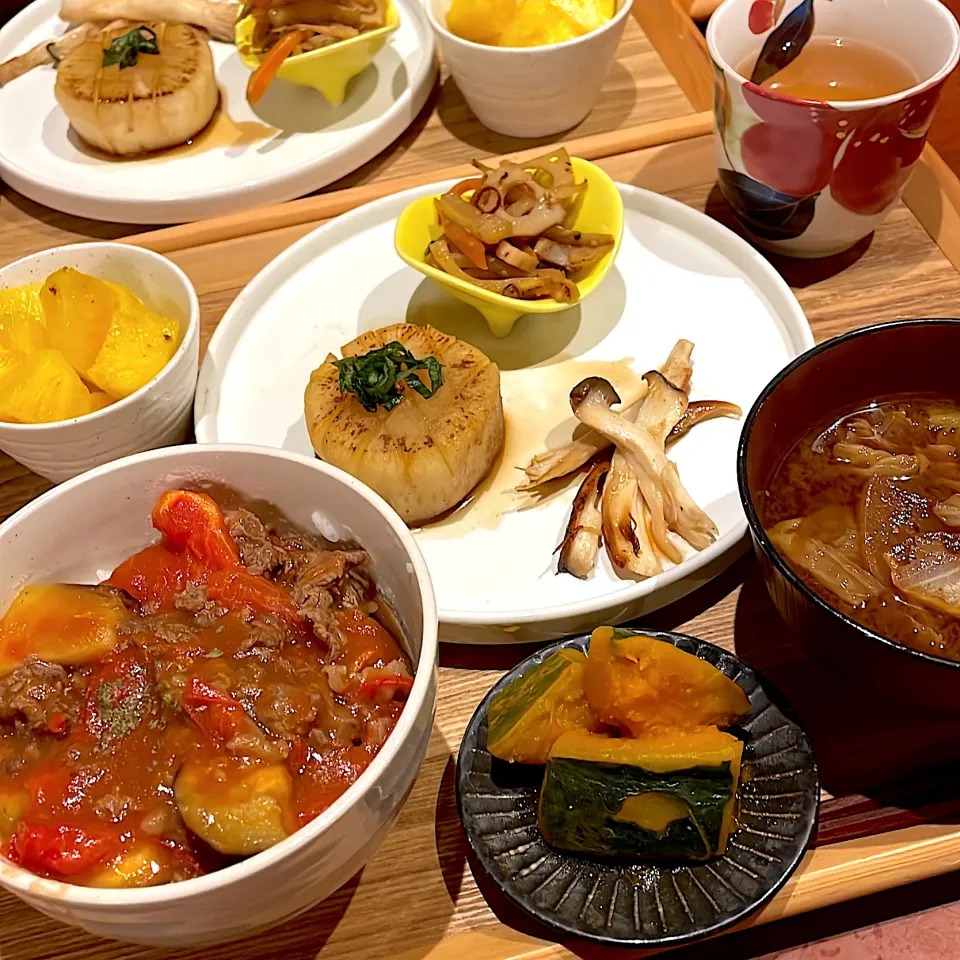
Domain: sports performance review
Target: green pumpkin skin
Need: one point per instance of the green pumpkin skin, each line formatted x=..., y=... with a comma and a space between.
x=525, y=718
x=582, y=798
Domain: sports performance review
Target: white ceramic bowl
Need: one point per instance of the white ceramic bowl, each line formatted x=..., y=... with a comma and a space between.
x=82, y=529
x=158, y=413
x=530, y=91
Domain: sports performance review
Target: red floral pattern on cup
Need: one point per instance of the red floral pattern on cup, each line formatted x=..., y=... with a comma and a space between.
x=763, y=15
x=878, y=161
x=813, y=178
x=794, y=147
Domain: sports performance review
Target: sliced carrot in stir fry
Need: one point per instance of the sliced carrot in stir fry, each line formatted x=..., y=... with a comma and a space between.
x=464, y=185
x=263, y=76
x=472, y=248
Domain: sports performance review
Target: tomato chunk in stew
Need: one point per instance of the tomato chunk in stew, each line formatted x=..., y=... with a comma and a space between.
x=220, y=689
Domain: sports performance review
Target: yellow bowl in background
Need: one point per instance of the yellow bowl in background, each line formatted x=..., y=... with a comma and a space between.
x=328, y=69
x=600, y=212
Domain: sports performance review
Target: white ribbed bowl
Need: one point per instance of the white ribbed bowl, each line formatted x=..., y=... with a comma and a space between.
x=530, y=91
x=81, y=530
x=156, y=415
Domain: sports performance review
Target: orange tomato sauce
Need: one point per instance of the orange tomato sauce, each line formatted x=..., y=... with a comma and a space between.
x=220, y=690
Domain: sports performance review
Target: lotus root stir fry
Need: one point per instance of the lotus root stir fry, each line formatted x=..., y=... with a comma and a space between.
x=511, y=230
x=867, y=512
x=315, y=23
x=217, y=692
x=287, y=28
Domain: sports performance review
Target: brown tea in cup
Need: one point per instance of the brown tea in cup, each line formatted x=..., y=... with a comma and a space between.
x=838, y=68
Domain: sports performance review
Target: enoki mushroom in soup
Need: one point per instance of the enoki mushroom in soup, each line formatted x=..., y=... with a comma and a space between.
x=866, y=511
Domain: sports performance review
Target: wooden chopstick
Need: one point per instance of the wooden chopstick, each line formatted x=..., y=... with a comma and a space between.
x=326, y=205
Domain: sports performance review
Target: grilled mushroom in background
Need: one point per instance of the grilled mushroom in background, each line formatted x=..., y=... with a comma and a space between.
x=92, y=17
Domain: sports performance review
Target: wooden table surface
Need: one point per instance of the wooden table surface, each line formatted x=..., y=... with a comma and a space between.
x=438, y=912
x=904, y=275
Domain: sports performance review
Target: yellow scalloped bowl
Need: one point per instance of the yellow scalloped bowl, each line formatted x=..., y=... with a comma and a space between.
x=600, y=212
x=328, y=69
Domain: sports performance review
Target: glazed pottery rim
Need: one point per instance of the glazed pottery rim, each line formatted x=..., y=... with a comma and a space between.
x=445, y=31
x=746, y=499
x=868, y=104
x=19, y=880
x=190, y=330
x=582, y=640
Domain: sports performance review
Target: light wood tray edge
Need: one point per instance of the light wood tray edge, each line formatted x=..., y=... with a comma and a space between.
x=325, y=205
x=827, y=875
x=933, y=196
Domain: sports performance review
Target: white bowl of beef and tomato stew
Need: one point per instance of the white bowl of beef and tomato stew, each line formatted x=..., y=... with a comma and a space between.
x=849, y=474
x=218, y=671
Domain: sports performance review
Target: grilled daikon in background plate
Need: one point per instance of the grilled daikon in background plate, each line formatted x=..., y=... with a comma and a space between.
x=293, y=142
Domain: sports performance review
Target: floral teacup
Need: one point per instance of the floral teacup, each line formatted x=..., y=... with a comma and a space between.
x=810, y=178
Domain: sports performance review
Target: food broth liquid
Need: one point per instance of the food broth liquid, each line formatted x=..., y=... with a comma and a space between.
x=839, y=68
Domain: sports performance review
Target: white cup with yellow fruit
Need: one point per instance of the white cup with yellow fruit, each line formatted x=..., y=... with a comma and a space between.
x=99, y=350
x=529, y=68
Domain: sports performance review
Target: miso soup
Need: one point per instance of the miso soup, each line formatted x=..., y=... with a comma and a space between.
x=866, y=510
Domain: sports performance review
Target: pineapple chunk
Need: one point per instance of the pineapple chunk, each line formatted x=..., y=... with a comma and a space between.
x=99, y=400
x=481, y=21
x=21, y=321
x=9, y=359
x=111, y=339
x=138, y=345
x=539, y=22
x=79, y=310
x=40, y=388
x=587, y=14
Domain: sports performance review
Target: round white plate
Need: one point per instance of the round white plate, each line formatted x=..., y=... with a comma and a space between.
x=679, y=274
x=310, y=145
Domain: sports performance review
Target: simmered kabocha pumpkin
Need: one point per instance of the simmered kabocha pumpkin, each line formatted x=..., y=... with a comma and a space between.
x=547, y=701
x=667, y=795
x=643, y=684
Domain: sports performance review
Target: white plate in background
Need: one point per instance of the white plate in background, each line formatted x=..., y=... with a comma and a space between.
x=678, y=274
x=311, y=144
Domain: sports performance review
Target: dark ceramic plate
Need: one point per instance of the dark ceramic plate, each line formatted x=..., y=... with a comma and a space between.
x=633, y=904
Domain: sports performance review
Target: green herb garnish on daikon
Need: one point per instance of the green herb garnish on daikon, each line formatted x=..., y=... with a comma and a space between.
x=378, y=378
x=126, y=49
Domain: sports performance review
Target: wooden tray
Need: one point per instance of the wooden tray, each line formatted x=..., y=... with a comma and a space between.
x=417, y=897
x=640, y=89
